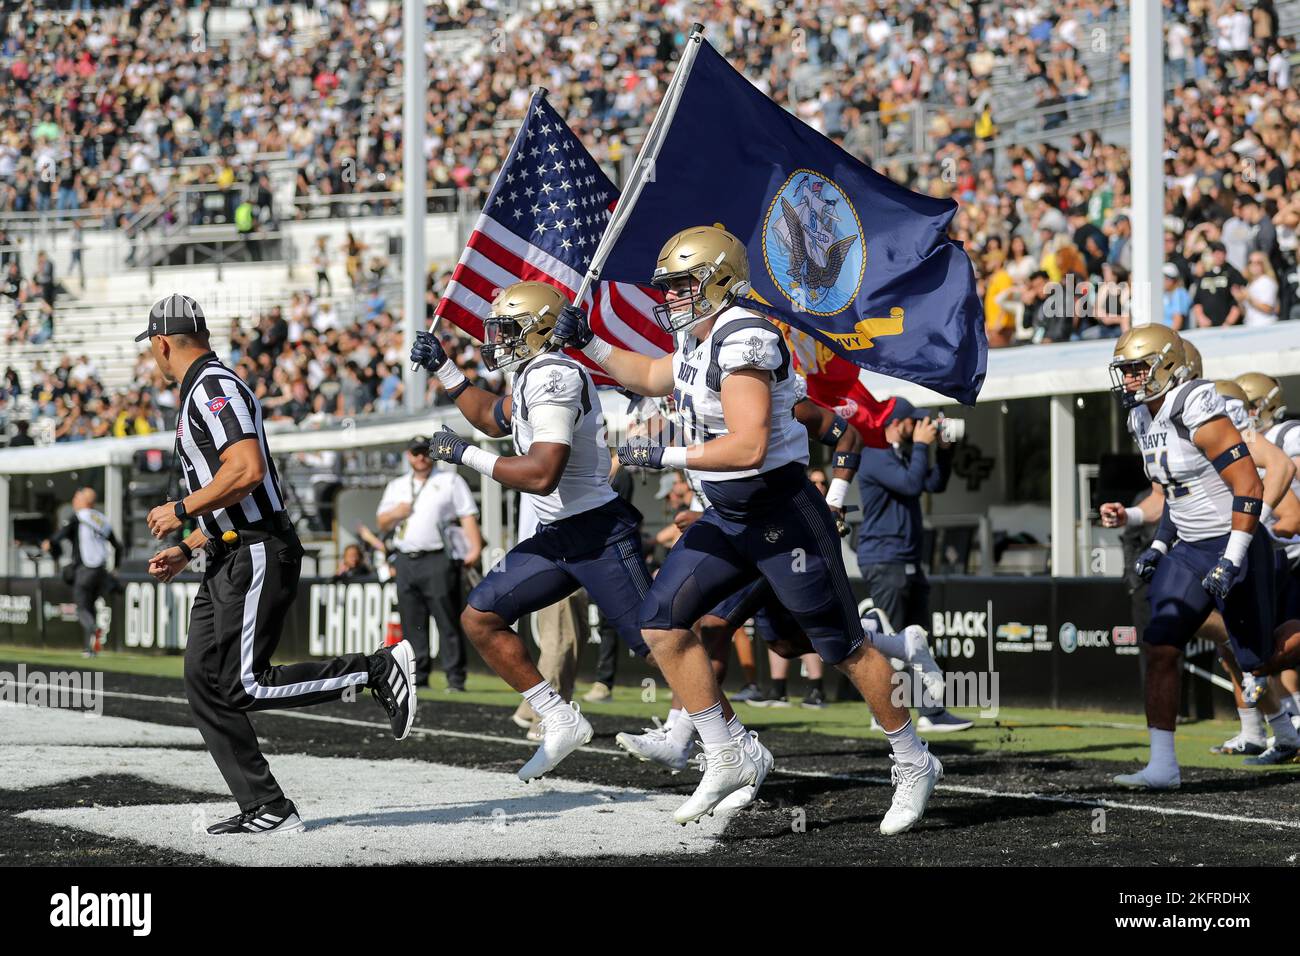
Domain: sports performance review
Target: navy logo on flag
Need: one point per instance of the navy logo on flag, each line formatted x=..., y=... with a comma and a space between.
x=813, y=244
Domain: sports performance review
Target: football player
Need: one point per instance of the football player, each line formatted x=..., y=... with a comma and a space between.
x=1191, y=448
x=732, y=379
x=587, y=536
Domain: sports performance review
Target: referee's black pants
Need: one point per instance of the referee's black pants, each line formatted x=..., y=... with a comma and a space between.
x=428, y=585
x=234, y=629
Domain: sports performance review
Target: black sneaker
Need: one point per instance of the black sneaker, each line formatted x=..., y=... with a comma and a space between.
x=392, y=683
x=815, y=700
x=769, y=698
x=279, y=816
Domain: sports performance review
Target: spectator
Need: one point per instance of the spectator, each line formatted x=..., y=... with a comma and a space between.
x=1215, y=302
x=1261, y=298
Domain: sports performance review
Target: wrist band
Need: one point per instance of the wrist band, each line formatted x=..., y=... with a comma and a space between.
x=186, y=550
x=1266, y=514
x=480, y=459
x=851, y=460
x=598, y=350
x=1242, y=504
x=835, y=432
x=1158, y=545
x=835, y=494
x=1238, y=545
x=674, y=457
x=1134, y=516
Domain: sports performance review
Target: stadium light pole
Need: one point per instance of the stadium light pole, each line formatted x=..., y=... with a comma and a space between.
x=415, y=86
x=1146, y=175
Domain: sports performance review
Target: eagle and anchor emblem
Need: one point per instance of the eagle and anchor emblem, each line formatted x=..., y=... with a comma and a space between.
x=815, y=252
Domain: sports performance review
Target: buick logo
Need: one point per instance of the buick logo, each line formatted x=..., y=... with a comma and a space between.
x=1068, y=637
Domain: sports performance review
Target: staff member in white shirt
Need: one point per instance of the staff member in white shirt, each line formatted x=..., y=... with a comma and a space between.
x=420, y=508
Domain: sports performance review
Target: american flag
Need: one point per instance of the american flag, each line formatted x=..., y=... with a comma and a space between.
x=542, y=221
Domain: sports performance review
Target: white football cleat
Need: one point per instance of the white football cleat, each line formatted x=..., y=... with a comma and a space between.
x=656, y=746
x=726, y=769
x=762, y=758
x=912, y=789
x=564, y=730
x=1148, y=779
x=918, y=655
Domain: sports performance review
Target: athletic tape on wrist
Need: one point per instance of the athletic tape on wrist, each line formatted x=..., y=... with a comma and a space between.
x=674, y=457
x=835, y=494
x=450, y=375
x=598, y=350
x=1134, y=516
x=1238, y=545
x=480, y=459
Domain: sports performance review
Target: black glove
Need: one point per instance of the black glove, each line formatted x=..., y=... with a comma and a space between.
x=446, y=445
x=1146, y=562
x=1221, y=578
x=642, y=456
x=427, y=352
x=572, y=330
x=841, y=516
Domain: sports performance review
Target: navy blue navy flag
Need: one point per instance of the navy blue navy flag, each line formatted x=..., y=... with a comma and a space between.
x=836, y=249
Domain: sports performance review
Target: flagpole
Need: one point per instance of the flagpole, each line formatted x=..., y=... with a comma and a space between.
x=643, y=171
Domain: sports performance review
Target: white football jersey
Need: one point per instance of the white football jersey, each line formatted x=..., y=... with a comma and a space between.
x=1286, y=435
x=1200, y=501
x=739, y=340
x=556, y=379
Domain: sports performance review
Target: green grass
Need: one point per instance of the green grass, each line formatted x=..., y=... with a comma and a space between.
x=1031, y=732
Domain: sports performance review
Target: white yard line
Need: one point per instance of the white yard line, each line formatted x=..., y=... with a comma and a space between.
x=810, y=774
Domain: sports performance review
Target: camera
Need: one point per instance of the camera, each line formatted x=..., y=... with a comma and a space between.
x=951, y=430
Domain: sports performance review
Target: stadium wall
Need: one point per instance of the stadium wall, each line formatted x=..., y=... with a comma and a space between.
x=1052, y=642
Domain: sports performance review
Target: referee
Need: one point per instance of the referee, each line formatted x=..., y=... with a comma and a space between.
x=251, y=576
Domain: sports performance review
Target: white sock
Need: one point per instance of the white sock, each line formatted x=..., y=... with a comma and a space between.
x=543, y=699
x=1252, y=724
x=736, y=728
x=711, y=726
x=1295, y=702
x=907, y=746
x=891, y=645
x=1284, y=734
x=1162, y=750
x=681, y=729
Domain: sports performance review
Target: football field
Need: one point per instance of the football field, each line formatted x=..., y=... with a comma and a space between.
x=134, y=785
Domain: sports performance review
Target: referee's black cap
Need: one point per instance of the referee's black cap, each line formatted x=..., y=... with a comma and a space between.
x=175, y=314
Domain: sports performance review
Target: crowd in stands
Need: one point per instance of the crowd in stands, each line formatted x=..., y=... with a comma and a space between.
x=104, y=104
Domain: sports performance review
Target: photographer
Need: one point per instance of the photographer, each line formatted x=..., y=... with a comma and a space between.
x=891, y=481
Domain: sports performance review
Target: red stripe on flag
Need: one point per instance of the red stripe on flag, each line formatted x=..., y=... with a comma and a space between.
x=461, y=317
x=637, y=320
x=471, y=280
x=526, y=271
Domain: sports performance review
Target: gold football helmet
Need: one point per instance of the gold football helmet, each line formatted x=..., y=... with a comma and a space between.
x=1146, y=364
x=1264, y=398
x=521, y=324
x=1230, y=389
x=1193, y=368
x=706, y=268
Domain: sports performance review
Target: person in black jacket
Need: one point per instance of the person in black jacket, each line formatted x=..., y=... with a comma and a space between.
x=90, y=535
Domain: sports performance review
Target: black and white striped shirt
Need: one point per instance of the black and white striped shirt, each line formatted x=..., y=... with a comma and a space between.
x=216, y=410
